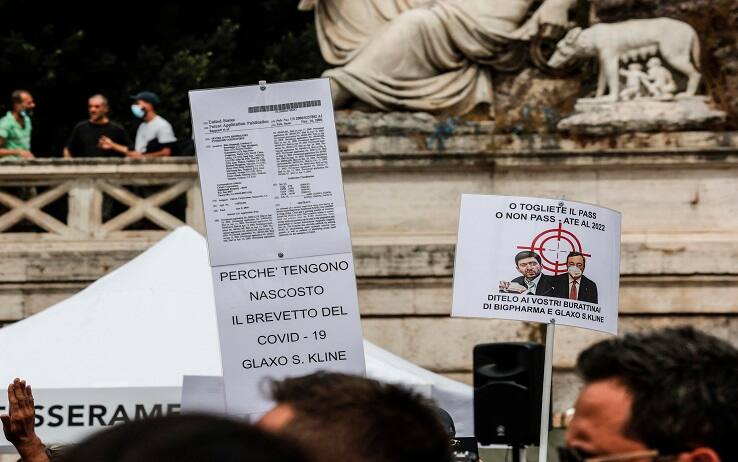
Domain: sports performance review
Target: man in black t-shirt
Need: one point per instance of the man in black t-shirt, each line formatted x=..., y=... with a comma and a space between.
x=85, y=138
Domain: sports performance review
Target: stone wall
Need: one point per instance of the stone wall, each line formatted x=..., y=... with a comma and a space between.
x=677, y=192
x=403, y=177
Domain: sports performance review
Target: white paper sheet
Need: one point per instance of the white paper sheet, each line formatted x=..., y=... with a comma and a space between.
x=269, y=171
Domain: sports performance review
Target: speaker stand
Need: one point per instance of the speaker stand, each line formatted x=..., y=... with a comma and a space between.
x=519, y=454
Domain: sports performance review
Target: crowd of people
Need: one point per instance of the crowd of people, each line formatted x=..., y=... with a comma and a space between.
x=98, y=136
x=318, y=417
x=666, y=395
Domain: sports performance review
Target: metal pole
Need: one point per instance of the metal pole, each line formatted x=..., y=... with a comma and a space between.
x=546, y=398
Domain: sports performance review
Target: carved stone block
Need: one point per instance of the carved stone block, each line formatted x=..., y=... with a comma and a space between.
x=593, y=117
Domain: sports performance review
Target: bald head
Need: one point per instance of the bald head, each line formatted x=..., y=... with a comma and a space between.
x=97, y=107
x=21, y=100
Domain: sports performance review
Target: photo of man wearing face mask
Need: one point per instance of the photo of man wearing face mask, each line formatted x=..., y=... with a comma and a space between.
x=574, y=284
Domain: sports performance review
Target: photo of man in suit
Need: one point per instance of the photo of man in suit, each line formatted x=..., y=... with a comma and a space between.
x=574, y=284
x=531, y=281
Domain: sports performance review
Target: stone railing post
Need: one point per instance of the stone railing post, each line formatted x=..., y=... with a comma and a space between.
x=85, y=207
x=146, y=199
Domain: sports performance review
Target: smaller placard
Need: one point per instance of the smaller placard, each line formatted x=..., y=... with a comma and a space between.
x=533, y=259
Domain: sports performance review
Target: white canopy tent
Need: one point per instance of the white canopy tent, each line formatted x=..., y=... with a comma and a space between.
x=143, y=327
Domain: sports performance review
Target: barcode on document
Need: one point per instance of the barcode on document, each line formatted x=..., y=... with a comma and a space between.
x=284, y=106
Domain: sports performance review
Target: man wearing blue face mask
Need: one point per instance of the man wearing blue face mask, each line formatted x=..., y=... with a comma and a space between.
x=15, y=128
x=574, y=284
x=154, y=137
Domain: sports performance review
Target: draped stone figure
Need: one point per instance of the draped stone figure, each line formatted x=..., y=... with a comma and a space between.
x=420, y=55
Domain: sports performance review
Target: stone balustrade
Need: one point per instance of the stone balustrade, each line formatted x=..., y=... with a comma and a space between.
x=91, y=190
x=63, y=224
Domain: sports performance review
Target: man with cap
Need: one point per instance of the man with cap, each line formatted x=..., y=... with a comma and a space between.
x=154, y=137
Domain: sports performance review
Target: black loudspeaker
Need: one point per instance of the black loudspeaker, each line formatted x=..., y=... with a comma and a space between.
x=508, y=384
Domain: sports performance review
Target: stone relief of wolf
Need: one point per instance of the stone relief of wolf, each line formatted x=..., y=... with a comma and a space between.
x=674, y=40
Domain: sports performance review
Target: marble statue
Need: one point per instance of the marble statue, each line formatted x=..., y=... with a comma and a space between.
x=660, y=82
x=630, y=99
x=635, y=79
x=675, y=41
x=420, y=55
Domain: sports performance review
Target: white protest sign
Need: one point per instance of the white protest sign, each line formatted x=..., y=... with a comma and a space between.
x=269, y=171
x=278, y=237
x=285, y=318
x=533, y=259
x=66, y=415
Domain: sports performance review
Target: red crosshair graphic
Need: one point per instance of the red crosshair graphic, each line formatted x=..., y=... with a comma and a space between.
x=553, y=245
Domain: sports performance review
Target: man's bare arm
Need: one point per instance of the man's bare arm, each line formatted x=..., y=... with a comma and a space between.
x=14, y=152
x=165, y=152
x=106, y=143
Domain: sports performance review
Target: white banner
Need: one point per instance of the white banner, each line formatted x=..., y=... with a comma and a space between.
x=533, y=259
x=278, y=237
x=66, y=415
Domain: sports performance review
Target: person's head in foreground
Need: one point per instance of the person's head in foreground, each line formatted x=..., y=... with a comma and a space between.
x=186, y=438
x=346, y=418
x=669, y=395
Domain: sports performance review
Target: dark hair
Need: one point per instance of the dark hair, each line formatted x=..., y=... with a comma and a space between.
x=576, y=254
x=341, y=417
x=16, y=98
x=527, y=254
x=684, y=385
x=186, y=438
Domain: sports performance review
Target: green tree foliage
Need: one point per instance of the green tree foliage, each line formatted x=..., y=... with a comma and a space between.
x=68, y=52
